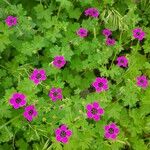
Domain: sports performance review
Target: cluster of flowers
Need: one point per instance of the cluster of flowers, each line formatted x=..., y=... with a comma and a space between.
x=109, y=41
x=63, y=133
x=18, y=100
x=94, y=111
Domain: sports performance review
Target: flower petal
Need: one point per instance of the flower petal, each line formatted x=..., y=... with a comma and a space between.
x=69, y=132
x=96, y=117
x=64, y=140
x=89, y=107
x=63, y=127
x=89, y=114
x=95, y=104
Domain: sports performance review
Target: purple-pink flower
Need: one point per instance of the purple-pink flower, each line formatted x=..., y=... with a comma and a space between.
x=38, y=75
x=110, y=41
x=138, y=34
x=142, y=81
x=11, y=21
x=30, y=112
x=92, y=12
x=122, y=61
x=111, y=131
x=63, y=134
x=100, y=84
x=94, y=111
x=59, y=61
x=82, y=32
x=106, y=32
x=18, y=100
x=56, y=94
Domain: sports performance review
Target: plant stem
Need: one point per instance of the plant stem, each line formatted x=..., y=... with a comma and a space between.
x=10, y=121
x=6, y=2
x=94, y=31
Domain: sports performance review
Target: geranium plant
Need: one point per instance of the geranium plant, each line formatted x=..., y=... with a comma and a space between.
x=74, y=75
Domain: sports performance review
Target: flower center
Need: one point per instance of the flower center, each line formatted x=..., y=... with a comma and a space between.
x=30, y=112
x=59, y=61
x=110, y=42
x=142, y=81
x=63, y=134
x=100, y=84
x=107, y=32
x=111, y=130
x=93, y=12
x=81, y=32
x=55, y=93
x=122, y=61
x=18, y=100
x=138, y=33
x=38, y=76
x=11, y=21
x=94, y=111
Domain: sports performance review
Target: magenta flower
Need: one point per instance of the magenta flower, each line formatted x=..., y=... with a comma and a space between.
x=63, y=134
x=55, y=94
x=142, y=81
x=106, y=32
x=59, y=61
x=30, y=112
x=92, y=12
x=38, y=75
x=122, y=61
x=94, y=111
x=18, y=100
x=100, y=84
x=138, y=34
x=11, y=21
x=111, y=131
x=82, y=32
x=110, y=41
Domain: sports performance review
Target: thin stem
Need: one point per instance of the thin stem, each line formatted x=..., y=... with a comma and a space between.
x=125, y=73
x=125, y=143
x=94, y=31
x=116, y=51
x=34, y=131
x=24, y=70
x=59, y=9
x=3, y=67
x=10, y=121
x=7, y=2
x=45, y=145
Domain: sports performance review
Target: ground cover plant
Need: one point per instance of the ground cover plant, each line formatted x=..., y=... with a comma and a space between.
x=74, y=75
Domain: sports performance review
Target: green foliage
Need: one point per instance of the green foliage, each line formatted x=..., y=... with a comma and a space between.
x=47, y=28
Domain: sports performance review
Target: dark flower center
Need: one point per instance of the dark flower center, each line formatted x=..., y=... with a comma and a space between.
x=111, y=130
x=122, y=61
x=100, y=84
x=81, y=32
x=63, y=134
x=106, y=32
x=30, y=112
x=94, y=111
x=38, y=76
x=110, y=42
x=11, y=21
x=55, y=93
x=93, y=12
x=142, y=81
x=138, y=33
x=59, y=61
x=18, y=100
